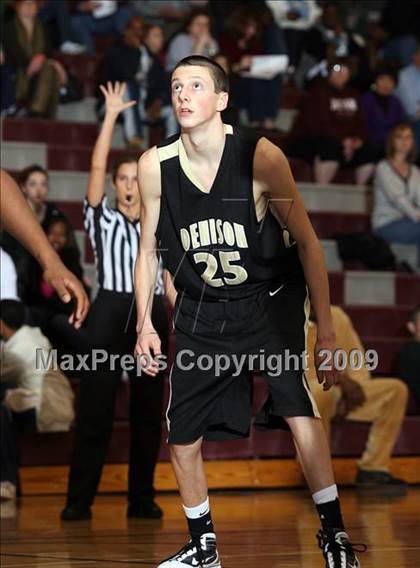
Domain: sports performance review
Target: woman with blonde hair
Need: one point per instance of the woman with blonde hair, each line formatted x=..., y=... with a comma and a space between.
x=396, y=213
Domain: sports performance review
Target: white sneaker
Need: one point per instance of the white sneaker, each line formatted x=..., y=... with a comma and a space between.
x=72, y=48
x=200, y=554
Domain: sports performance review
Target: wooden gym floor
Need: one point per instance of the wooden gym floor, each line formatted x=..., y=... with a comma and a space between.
x=256, y=529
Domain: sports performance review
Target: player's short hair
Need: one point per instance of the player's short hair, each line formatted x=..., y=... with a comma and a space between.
x=12, y=312
x=25, y=174
x=220, y=79
x=119, y=162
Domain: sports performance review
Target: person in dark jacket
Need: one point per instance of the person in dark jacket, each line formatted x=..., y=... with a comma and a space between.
x=37, y=76
x=131, y=61
x=332, y=119
x=382, y=110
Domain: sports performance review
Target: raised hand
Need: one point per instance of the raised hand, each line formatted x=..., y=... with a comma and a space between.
x=114, y=98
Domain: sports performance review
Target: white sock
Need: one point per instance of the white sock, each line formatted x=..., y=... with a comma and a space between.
x=198, y=511
x=325, y=495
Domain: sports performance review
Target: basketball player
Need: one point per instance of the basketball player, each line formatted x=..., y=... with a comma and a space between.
x=19, y=220
x=222, y=207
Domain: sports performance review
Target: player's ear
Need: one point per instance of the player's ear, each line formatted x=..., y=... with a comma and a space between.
x=223, y=101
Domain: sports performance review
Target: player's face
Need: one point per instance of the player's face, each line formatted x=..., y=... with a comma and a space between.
x=57, y=235
x=193, y=96
x=36, y=188
x=126, y=185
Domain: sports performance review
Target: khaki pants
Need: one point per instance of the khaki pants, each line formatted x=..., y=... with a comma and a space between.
x=385, y=406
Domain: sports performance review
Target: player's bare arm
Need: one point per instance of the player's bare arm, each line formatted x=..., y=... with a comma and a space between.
x=148, y=342
x=275, y=187
x=26, y=229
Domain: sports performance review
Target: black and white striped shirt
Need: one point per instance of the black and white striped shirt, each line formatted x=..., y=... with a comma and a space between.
x=115, y=242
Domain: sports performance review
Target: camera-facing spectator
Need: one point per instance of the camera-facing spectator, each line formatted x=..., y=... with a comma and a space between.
x=98, y=17
x=252, y=31
x=131, y=61
x=331, y=122
x=396, y=213
x=38, y=77
x=195, y=40
x=382, y=109
x=408, y=91
x=409, y=357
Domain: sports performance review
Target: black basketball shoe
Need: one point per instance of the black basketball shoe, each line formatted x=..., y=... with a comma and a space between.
x=338, y=551
x=201, y=553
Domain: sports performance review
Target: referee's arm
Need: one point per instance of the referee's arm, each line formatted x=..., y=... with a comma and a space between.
x=148, y=342
x=274, y=183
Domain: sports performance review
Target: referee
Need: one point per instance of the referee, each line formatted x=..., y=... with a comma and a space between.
x=114, y=234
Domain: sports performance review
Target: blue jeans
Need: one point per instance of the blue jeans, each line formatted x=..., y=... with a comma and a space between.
x=85, y=26
x=402, y=231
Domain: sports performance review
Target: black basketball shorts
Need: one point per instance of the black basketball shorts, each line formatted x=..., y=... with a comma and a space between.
x=218, y=344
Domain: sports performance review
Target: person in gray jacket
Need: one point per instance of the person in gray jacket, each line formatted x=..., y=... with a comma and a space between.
x=396, y=212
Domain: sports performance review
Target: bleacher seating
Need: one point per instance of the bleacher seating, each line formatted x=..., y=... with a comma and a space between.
x=378, y=303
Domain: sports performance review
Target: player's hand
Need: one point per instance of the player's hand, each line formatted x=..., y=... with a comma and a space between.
x=68, y=287
x=114, y=98
x=324, y=358
x=353, y=396
x=148, y=346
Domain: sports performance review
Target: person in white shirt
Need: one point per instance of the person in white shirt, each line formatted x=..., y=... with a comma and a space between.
x=396, y=212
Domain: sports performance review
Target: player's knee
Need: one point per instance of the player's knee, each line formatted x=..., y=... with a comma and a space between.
x=183, y=453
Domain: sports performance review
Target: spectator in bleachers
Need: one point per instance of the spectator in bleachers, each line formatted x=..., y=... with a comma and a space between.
x=27, y=355
x=34, y=182
x=98, y=17
x=361, y=398
x=196, y=39
x=382, y=109
x=329, y=39
x=408, y=91
x=169, y=15
x=7, y=93
x=401, y=22
x=29, y=386
x=131, y=61
x=295, y=19
x=409, y=357
x=58, y=12
x=252, y=31
x=42, y=301
x=154, y=39
x=38, y=77
x=396, y=212
x=332, y=124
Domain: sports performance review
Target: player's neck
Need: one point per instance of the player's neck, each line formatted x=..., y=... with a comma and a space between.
x=205, y=142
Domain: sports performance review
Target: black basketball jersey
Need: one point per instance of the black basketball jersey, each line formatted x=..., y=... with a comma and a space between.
x=212, y=243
